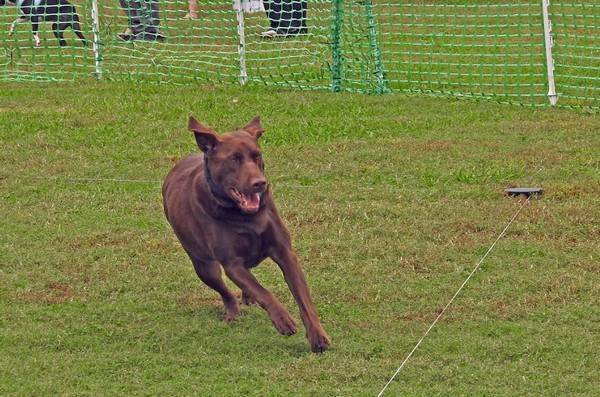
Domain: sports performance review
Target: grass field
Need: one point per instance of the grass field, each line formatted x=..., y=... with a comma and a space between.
x=391, y=200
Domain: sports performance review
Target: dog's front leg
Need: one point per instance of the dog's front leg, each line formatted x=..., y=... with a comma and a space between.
x=17, y=21
x=288, y=262
x=36, y=38
x=34, y=29
x=283, y=322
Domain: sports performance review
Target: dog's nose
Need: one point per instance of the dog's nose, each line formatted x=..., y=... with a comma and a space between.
x=259, y=184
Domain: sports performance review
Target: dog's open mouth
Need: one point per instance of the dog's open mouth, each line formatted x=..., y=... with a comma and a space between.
x=247, y=202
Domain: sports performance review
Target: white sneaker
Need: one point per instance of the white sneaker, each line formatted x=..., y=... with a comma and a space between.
x=269, y=34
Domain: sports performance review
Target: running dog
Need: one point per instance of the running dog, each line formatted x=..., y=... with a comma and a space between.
x=221, y=209
x=61, y=13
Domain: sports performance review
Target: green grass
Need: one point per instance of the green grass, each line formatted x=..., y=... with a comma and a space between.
x=390, y=200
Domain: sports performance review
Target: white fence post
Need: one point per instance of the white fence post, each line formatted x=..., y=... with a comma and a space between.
x=96, y=43
x=237, y=6
x=552, y=96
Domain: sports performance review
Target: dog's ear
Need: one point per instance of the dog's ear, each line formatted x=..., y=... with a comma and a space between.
x=206, y=138
x=254, y=128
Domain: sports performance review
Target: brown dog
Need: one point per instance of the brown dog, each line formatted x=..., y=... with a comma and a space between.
x=221, y=209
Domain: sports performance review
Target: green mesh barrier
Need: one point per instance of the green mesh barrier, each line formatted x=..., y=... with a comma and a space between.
x=468, y=49
x=20, y=59
x=361, y=58
x=484, y=49
x=577, y=51
x=203, y=49
x=300, y=61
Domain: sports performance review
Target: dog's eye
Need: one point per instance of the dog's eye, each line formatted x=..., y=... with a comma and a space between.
x=237, y=158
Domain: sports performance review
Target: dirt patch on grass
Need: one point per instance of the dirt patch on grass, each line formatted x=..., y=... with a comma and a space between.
x=53, y=293
x=468, y=234
x=567, y=191
x=427, y=145
x=124, y=240
x=112, y=239
x=193, y=300
x=165, y=161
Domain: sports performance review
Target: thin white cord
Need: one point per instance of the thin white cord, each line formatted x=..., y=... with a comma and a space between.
x=451, y=300
x=124, y=180
x=63, y=179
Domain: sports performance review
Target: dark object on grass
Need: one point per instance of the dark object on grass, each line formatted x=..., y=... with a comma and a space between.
x=221, y=209
x=525, y=191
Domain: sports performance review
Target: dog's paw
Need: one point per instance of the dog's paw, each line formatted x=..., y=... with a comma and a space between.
x=319, y=341
x=233, y=311
x=283, y=322
x=231, y=316
x=247, y=299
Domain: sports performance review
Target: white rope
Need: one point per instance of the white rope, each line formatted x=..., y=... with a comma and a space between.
x=275, y=181
x=452, y=299
x=63, y=179
x=125, y=180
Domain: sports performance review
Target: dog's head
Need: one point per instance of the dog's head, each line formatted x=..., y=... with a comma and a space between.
x=234, y=164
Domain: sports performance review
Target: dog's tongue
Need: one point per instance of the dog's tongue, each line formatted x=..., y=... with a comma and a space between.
x=250, y=202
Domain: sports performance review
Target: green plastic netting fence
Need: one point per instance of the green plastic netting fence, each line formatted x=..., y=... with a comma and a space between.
x=473, y=49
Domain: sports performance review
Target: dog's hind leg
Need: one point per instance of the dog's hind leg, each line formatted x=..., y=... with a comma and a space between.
x=210, y=273
x=77, y=29
x=34, y=29
x=58, y=30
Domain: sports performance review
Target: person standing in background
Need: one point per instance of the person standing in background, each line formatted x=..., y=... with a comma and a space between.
x=192, y=10
x=286, y=17
x=144, y=20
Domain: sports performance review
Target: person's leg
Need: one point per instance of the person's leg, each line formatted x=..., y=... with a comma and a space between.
x=285, y=17
x=132, y=9
x=293, y=17
x=151, y=21
x=154, y=15
x=298, y=14
x=273, y=10
x=303, y=16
